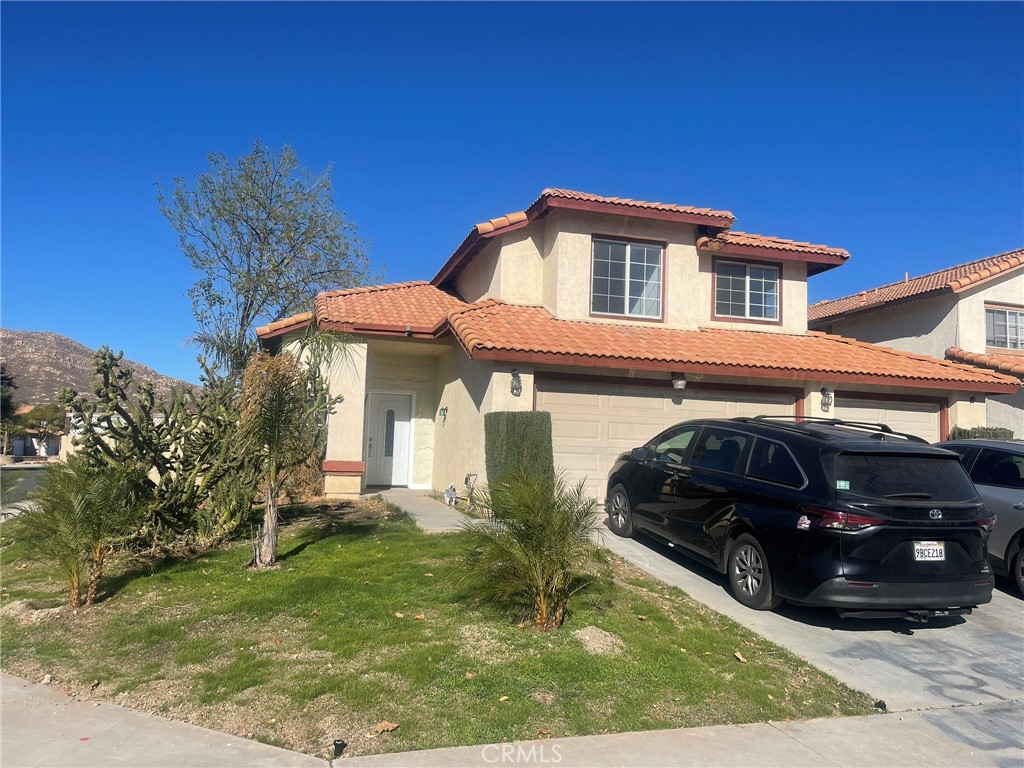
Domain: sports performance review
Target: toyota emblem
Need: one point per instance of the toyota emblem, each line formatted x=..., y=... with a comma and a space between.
x=935, y=514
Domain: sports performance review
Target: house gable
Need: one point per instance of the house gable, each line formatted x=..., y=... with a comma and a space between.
x=552, y=255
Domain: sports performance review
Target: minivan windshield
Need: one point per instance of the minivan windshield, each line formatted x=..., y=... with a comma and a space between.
x=897, y=478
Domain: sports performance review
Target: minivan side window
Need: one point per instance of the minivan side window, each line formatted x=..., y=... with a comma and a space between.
x=672, y=446
x=773, y=462
x=998, y=468
x=718, y=449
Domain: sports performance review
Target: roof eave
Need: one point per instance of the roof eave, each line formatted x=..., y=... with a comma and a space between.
x=477, y=352
x=817, y=262
x=826, y=319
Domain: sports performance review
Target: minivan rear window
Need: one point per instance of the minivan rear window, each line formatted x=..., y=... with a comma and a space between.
x=903, y=478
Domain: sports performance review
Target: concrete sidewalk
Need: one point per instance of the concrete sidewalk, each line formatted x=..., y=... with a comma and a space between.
x=44, y=727
x=431, y=515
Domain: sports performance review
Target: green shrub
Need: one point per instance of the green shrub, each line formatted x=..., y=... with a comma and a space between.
x=988, y=433
x=518, y=440
x=533, y=551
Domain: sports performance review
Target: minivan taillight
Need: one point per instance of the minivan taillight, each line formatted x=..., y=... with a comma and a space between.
x=842, y=521
x=987, y=522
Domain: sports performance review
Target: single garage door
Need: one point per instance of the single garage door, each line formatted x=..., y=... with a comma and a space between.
x=921, y=419
x=592, y=423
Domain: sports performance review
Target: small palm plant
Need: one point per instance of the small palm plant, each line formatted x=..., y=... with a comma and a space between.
x=76, y=514
x=534, y=547
x=277, y=424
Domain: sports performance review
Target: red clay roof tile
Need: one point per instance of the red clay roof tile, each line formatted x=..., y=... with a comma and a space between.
x=1008, y=364
x=417, y=306
x=284, y=325
x=950, y=280
x=492, y=329
x=567, y=198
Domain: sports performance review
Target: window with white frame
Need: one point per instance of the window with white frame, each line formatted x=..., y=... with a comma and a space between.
x=749, y=291
x=1004, y=328
x=626, y=279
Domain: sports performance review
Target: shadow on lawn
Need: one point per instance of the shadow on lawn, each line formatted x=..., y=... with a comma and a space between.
x=319, y=521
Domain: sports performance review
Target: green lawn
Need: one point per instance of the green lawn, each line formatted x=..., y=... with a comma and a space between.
x=366, y=621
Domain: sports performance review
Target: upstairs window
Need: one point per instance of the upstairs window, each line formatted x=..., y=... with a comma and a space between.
x=1004, y=328
x=747, y=291
x=626, y=279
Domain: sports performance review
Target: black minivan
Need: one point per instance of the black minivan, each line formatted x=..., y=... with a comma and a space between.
x=819, y=512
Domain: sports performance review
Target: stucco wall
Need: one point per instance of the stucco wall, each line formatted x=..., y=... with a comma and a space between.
x=1007, y=411
x=469, y=390
x=930, y=326
x=1008, y=290
x=548, y=263
x=347, y=378
x=415, y=375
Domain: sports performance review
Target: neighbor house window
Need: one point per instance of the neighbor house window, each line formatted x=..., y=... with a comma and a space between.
x=627, y=279
x=1004, y=328
x=749, y=291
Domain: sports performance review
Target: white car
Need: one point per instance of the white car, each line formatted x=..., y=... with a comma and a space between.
x=997, y=469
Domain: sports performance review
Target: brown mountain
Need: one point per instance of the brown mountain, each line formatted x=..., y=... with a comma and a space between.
x=42, y=363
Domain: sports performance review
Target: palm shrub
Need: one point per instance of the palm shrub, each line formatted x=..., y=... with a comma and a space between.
x=533, y=549
x=77, y=513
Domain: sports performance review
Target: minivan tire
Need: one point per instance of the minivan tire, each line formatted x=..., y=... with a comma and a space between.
x=1017, y=568
x=749, y=575
x=620, y=512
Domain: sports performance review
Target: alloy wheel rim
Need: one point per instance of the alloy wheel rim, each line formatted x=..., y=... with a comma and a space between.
x=749, y=570
x=619, y=510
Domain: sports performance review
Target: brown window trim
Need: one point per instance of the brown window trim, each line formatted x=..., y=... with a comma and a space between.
x=714, y=289
x=590, y=280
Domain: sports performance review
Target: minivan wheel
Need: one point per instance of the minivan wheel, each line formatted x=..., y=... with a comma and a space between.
x=620, y=516
x=749, y=575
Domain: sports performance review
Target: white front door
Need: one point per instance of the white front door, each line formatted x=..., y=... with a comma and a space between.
x=387, y=439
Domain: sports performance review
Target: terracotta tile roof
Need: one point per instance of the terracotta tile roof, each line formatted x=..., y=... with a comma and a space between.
x=951, y=280
x=479, y=236
x=715, y=218
x=1008, y=364
x=492, y=329
x=819, y=257
x=279, y=327
x=417, y=306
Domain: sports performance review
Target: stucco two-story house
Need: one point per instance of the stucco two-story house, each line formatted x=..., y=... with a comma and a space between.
x=619, y=317
x=971, y=313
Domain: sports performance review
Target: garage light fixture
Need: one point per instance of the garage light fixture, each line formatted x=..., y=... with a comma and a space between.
x=678, y=381
x=516, y=387
x=826, y=399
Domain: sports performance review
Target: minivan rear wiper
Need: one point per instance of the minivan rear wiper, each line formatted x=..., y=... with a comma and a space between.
x=915, y=495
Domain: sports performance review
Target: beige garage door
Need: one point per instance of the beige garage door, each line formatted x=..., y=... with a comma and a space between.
x=921, y=419
x=592, y=423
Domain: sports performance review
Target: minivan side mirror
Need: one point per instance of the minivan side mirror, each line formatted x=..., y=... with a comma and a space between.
x=640, y=454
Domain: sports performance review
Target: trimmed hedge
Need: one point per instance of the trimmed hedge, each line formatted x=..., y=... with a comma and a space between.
x=989, y=433
x=518, y=440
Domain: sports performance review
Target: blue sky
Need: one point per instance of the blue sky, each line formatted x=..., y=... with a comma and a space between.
x=892, y=130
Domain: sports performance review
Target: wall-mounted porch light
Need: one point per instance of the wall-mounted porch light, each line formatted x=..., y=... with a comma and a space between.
x=826, y=399
x=443, y=413
x=516, y=387
x=678, y=381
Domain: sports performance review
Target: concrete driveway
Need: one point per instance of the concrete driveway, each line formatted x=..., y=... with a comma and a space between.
x=972, y=660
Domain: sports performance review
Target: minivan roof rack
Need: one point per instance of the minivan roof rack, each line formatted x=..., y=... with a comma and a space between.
x=793, y=423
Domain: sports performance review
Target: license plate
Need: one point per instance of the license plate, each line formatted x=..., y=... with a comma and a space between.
x=929, y=551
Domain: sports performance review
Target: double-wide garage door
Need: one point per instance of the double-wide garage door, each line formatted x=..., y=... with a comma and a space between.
x=920, y=419
x=592, y=423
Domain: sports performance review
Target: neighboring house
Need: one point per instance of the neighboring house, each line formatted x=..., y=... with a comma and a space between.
x=971, y=313
x=619, y=317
